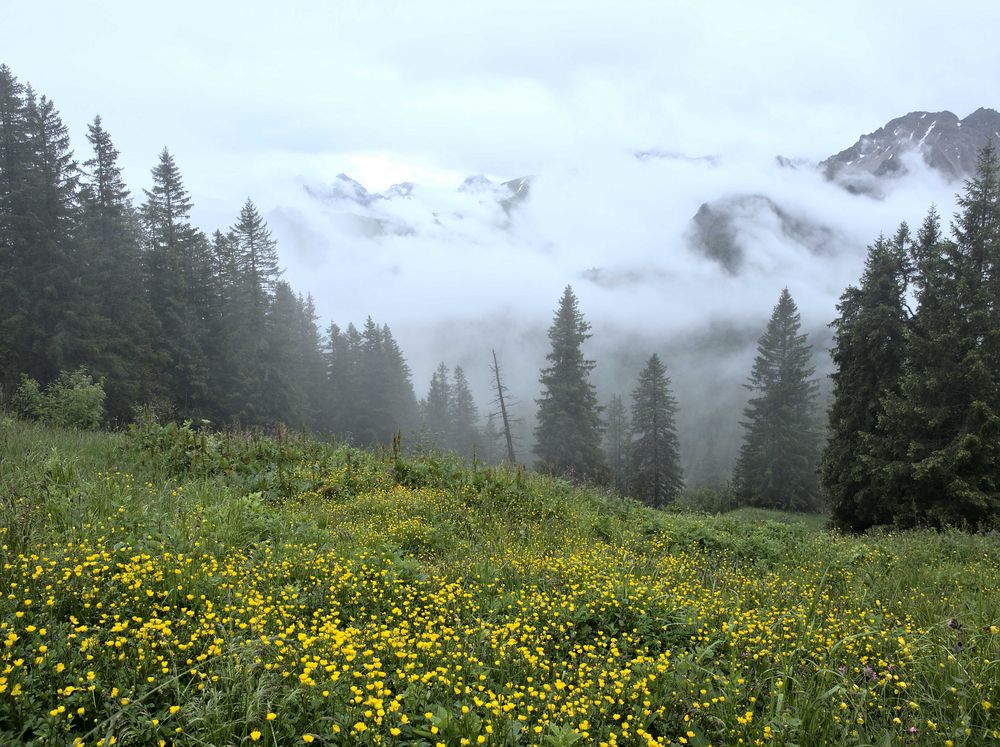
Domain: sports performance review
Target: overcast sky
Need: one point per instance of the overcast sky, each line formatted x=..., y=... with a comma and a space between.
x=391, y=90
x=261, y=99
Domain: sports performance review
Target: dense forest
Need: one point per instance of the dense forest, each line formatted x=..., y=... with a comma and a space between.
x=125, y=305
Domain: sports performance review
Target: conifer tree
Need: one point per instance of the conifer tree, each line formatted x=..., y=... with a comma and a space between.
x=282, y=395
x=493, y=450
x=777, y=464
x=568, y=434
x=312, y=365
x=111, y=239
x=245, y=265
x=616, y=441
x=942, y=432
x=256, y=255
x=654, y=468
x=343, y=367
x=179, y=276
x=869, y=352
x=377, y=384
x=437, y=408
x=14, y=164
x=60, y=324
x=464, y=437
x=401, y=402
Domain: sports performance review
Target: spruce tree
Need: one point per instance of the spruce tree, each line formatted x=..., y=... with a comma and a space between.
x=312, y=365
x=777, y=463
x=869, y=353
x=178, y=268
x=464, y=437
x=282, y=396
x=376, y=381
x=616, y=441
x=568, y=434
x=60, y=317
x=401, y=402
x=941, y=446
x=111, y=238
x=437, y=408
x=256, y=255
x=344, y=377
x=654, y=469
x=14, y=165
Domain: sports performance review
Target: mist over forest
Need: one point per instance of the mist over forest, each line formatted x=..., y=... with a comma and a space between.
x=451, y=188
x=668, y=253
x=458, y=272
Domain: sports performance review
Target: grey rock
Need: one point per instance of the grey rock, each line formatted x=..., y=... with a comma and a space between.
x=717, y=230
x=946, y=143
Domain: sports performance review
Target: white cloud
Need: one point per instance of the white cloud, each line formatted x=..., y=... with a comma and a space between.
x=259, y=99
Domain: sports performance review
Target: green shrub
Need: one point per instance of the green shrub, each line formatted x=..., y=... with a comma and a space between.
x=27, y=400
x=74, y=400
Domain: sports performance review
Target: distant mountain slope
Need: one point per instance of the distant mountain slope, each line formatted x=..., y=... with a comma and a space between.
x=720, y=228
x=946, y=143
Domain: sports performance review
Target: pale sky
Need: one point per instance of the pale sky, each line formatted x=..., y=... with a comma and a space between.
x=402, y=89
x=262, y=99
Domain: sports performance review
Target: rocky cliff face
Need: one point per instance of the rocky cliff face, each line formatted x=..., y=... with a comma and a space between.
x=946, y=143
x=720, y=228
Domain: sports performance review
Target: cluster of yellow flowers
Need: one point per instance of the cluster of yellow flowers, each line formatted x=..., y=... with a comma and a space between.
x=594, y=644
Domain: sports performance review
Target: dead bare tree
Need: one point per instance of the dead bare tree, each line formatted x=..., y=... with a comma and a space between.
x=501, y=391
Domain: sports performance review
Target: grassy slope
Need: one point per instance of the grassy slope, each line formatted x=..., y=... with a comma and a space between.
x=176, y=587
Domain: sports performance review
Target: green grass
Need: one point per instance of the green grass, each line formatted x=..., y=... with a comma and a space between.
x=180, y=586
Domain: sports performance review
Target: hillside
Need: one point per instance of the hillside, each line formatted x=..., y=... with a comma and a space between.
x=180, y=587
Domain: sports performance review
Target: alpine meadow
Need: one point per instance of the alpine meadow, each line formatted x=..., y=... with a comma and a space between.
x=462, y=374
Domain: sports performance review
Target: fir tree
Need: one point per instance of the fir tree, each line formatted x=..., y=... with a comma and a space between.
x=245, y=264
x=654, y=470
x=344, y=376
x=256, y=255
x=283, y=398
x=616, y=441
x=110, y=233
x=869, y=352
x=312, y=365
x=464, y=437
x=568, y=434
x=437, y=408
x=777, y=464
x=178, y=268
x=941, y=447
x=60, y=318
x=14, y=164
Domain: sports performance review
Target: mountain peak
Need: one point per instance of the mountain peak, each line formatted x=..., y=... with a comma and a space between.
x=946, y=144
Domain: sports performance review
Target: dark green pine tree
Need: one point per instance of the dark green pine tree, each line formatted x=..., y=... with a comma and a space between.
x=384, y=401
x=616, y=441
x=654, y=467
x=256, y=254
x=246, y=268
x=464, y=437
x=110, y=234
x=437, y=408
x=568, y=433
x=346, y=384
x=312, y=366
x=942, y=433
x=777, y=463
x=60, y=317
x=178, y=268
x=14, y=167
x=399, y=397
x=869, y=353
x=282, y=393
